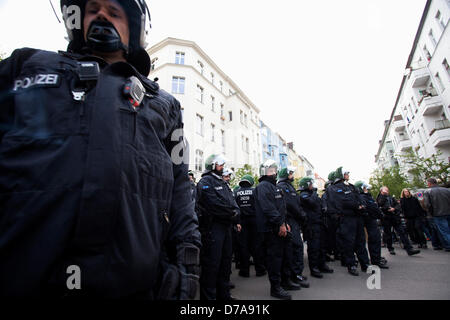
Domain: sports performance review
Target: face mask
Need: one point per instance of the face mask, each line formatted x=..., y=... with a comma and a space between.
x=102, y=36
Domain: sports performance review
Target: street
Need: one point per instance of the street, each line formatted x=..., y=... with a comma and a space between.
x=423, y=276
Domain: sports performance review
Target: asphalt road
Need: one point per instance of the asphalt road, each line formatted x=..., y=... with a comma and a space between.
x=423, y=276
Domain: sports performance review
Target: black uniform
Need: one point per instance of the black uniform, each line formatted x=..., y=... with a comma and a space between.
x=346, y=200
x=250, y=240
x=373, y=213
x=332, y=218
x=296, y=216
x=315, y=232
x=270, y=215
x=87, y=179
x=392, y=220
x=216, y=207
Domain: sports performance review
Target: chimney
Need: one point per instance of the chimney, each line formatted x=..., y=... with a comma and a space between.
x=290, y=145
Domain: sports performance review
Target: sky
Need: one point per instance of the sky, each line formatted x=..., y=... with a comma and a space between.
x=325, y=74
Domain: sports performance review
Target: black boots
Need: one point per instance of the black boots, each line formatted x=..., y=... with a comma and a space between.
x=326, y=269
x=316, y=273
x=352, y=270
x=301, y=280
x=278, y=292
x=244, y=273
x=412, y=252
x=288, y=284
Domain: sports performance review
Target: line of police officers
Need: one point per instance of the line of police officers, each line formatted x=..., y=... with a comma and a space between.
x=270, y=220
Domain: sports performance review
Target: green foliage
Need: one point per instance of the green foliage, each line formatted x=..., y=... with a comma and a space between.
x=239, y=173
x=423, y=168
x=391, y=178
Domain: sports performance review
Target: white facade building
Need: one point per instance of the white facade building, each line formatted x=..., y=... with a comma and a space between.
x=419, y=120
x=218, y=117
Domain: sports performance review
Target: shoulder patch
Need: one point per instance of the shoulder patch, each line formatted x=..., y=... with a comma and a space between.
x=205, y=187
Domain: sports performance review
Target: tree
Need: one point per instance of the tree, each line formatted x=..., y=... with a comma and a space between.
x=422, y=168
x=391, y=178
x=247, y=169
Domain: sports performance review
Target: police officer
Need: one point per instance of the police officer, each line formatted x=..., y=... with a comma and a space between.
x=348, y=203
x=193, y=186
x=250, y=240
x=371, y=215
x=271, y=220
x=315, y=231
x=236, y=226
x=217, y=207
x=86, y=175
x=332, y=221
x=391, y=219
x=295, y=218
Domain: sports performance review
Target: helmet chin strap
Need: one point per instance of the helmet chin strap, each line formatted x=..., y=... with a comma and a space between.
x=102, y=36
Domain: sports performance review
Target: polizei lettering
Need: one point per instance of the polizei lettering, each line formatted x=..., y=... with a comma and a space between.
x=39, y=80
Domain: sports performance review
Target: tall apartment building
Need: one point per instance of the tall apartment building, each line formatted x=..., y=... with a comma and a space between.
x=420, y=118
x=218, y=117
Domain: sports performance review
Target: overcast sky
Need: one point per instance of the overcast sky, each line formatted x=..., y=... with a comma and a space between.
x=325, y=74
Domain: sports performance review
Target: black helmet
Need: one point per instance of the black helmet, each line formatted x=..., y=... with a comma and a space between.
x=136, y=11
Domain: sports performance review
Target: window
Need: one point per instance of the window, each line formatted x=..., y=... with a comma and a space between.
x=245, y=119
x=212, y=78
x=439, y=82
x=222, y=133
x=242, y=142
x=446, y=67
x=222, y=111
x=213, y=100
x=199, y=93
x=440, y=19
x=247, y=145
x=230, y=93
x=242, y=117
x=200, y=67
x=221, y=86
x=153, y=65
x=431, y=36
x=212, y=132
x=179, y=57
x=178, y=85
x=230, y=115
x=427, y=53
x=198, y=160
x=199, y=125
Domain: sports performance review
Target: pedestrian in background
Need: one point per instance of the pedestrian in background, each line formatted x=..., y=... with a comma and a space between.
x=437, y=202
x=413, y=213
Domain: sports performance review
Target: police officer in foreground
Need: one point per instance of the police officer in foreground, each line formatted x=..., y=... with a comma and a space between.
x=217, y=208
x=315, y=231
x=346, y=200
x=391, y=219
x=295, y=218
x=86, y=176
x=373, y=213
x=271, y=220
x=250, y=240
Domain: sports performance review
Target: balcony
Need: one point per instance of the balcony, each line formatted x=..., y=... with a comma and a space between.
x=399, y=123
x=440, y=134
x=431, y=105
x=419, y=77
x=404, y=144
